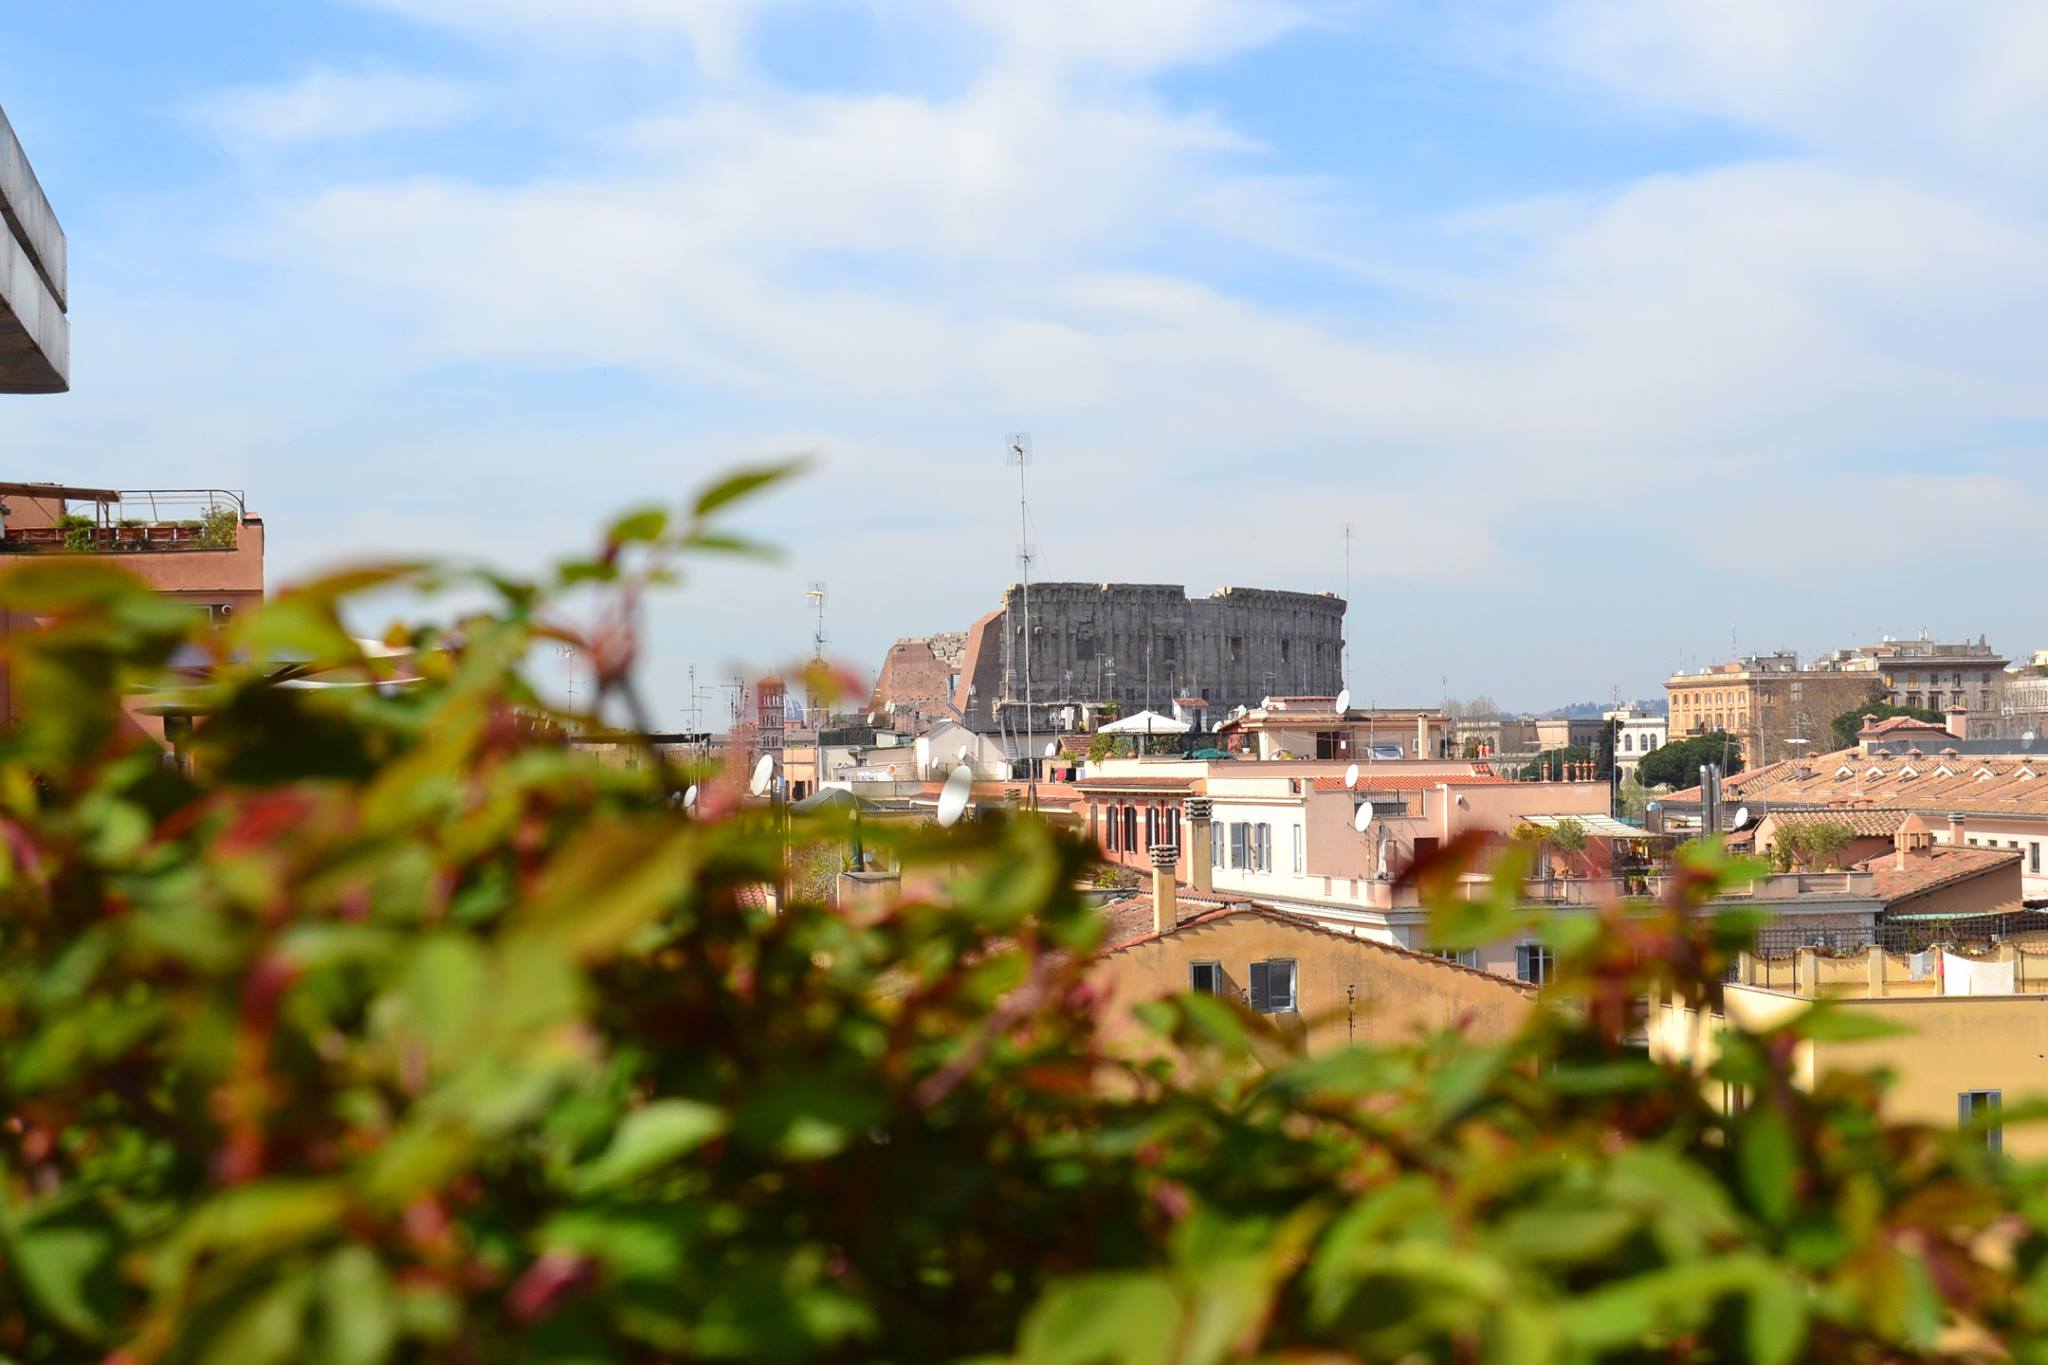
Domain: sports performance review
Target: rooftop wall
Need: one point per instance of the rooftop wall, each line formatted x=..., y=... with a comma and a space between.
x=35, y=336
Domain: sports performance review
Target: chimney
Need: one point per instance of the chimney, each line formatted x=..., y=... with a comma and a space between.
x=1421, y=736
x=1165, y=907
x=1195, y=818
x=1955, y=830
x=1959, y=723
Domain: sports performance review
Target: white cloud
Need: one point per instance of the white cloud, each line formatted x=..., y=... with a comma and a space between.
x=1907, y=79
x=323, y=105
x=1747, y=348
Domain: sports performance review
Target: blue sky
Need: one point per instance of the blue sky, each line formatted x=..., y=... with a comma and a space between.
x=1612, y=327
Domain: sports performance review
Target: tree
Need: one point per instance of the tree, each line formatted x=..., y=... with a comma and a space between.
x=1677, y=764
x=1634, y=798
x=386, y=1025
x=1843, y=729
x=1603, y=751
x=1807, y=843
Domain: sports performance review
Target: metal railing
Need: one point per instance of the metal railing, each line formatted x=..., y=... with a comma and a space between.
x=140, y=519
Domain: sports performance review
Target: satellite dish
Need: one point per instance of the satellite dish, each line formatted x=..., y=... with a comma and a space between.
x=690, y=797
x=1741, y=816
x=953, y=796
x=1343, y=701
x=1363, y=818
x=1052, y=748
x=1265, y=703
x=763, y=771
x=2027, y=739
x=1351, y=776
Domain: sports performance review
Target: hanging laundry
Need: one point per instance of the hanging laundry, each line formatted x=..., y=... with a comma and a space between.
x=1921, y=965
x=1966, y=976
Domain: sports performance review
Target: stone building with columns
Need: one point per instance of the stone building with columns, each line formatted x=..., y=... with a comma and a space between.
x=1141, y=645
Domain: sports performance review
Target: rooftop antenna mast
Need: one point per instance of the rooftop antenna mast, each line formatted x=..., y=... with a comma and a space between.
x=1020, y=455
x=1345, y=663
x=815, y=591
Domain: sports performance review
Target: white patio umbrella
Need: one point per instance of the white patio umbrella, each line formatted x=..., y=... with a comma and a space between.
x=1145, y=723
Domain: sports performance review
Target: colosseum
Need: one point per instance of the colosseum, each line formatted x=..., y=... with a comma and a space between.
x=1144, y=644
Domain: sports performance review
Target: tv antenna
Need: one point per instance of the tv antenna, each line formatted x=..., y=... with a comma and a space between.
x=816, y=593
x=1019, y=454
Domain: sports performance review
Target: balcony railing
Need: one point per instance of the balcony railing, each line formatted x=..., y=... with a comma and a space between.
x=129, y=521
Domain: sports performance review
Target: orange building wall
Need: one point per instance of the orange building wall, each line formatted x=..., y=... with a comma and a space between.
x=1399, y=995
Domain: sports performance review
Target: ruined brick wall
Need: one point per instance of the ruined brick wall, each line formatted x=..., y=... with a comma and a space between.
x=918, y=672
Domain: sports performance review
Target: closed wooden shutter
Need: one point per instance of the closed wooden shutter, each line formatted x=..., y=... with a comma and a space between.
x=1259, y=987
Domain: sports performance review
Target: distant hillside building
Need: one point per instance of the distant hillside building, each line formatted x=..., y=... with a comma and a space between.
x=1927, y=673
x=1767, y=702
x=1141, y=645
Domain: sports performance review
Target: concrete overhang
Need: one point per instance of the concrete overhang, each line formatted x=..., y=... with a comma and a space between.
x=35, y=335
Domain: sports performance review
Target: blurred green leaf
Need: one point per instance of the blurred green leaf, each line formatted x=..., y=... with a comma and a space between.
x=746, y=482
x=650, y=1138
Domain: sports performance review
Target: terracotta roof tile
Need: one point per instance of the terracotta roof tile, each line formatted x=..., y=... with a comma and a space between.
x=1410, y=782
x=1931, y=869
x=1138, y=784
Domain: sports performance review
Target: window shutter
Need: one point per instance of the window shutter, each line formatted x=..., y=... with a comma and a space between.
x=1522, y=962
x=1259, y=993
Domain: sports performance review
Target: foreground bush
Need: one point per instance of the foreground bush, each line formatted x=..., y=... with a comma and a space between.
x=389, y=1028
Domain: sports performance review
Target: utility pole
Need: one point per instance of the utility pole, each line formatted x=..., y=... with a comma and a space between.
x=1020, y=456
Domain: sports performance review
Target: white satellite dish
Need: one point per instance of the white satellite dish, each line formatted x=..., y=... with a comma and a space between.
x=1343, y=701
x=763, y=771
x=1363, y=818
x=923, y=747
x=1351, y=776
x=953, y=796
x=1265, y=703
x=690, y=797
x=1052, y=749
x=1741, y=816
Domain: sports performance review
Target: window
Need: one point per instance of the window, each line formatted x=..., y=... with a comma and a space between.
x=1237, y=649
x=1982, y=1106
x=1240, y=844
x=1284, y=652
x=1205, y=978
x=1464, y=957
x=1173, y=827
x=1216, y=846
x=1532, y=963
x=1131, y=829
x=1113, y=823
x=2034, y=856
x=1301, y=851
x=1273, y=986
x=1262, y=846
